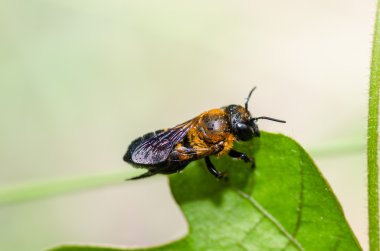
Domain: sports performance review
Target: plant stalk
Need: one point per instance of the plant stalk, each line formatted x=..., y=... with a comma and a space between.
x=372, y=140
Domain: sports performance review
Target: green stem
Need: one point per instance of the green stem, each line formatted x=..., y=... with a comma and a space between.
x=372, y=140
x=334, y=148
x=25, y=192
x=16, y=193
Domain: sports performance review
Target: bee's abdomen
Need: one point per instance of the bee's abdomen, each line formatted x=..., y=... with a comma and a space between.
x=128, y=155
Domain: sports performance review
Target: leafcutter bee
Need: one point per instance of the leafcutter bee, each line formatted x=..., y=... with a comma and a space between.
x=211, y=133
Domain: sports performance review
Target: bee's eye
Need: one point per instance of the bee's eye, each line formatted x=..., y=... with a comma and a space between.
x=244, y=132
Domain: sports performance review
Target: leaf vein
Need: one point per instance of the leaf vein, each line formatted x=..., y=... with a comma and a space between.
x=270, y=217
x=300, y=205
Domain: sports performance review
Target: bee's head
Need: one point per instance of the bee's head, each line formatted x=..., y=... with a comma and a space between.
x=243, y=125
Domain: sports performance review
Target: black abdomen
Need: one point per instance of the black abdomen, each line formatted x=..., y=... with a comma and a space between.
x=128, y=155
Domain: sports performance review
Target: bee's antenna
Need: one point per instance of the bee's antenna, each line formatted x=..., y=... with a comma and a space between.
x=247, y=99
x=268, y=118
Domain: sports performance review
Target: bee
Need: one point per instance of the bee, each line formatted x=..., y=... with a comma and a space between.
x=211, y=133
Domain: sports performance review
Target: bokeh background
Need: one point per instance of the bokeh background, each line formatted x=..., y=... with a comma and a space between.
x=80, y=79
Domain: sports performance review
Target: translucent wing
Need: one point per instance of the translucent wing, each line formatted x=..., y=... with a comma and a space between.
x=157, y=148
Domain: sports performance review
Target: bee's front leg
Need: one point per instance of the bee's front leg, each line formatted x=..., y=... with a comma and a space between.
x=213, y=171
x=238, y=155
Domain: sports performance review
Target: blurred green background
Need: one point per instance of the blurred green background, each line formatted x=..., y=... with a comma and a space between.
x=81, y=79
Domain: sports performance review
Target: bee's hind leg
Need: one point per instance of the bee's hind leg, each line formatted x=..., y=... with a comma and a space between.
x=144, y=175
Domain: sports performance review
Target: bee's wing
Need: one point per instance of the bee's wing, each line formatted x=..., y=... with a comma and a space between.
x=157, y=148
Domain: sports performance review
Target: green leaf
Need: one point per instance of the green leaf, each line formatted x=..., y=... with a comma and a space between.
x=283, y=204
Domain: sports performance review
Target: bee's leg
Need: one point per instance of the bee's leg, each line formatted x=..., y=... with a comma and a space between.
x=242, y=156
x=144, y=175
x=239, y=155
x=212, y=170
